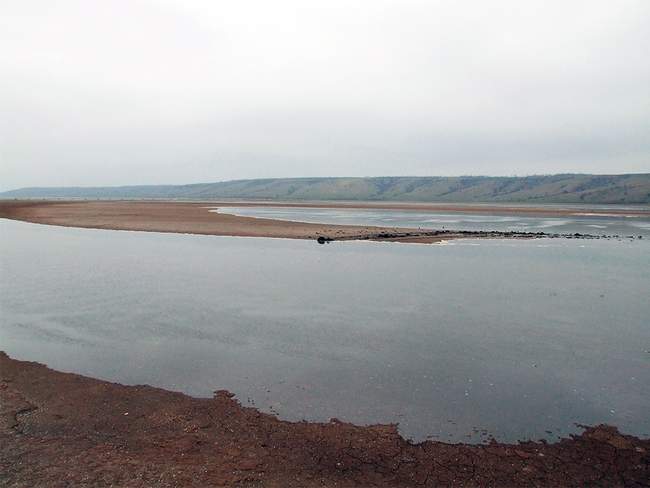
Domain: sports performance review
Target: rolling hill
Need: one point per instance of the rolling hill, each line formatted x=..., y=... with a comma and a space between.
x=563, y=188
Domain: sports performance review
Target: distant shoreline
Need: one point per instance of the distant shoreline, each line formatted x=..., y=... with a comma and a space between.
x=195, y=218
x=590, y=189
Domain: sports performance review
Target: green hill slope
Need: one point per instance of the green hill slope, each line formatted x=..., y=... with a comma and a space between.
x=567, y=188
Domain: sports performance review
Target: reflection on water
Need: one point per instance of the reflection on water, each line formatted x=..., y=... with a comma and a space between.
x=515, y=339
x=600, y=223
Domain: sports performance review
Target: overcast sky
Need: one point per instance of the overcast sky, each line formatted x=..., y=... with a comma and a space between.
x=143, y=91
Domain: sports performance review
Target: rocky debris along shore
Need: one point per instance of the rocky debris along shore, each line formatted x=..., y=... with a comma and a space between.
x=467, y=234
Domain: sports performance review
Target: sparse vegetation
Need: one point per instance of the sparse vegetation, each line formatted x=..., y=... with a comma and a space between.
x=568, y=188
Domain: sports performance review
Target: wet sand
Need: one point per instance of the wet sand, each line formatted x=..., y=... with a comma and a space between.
x=61, y=429
x=195, y=218
x=177, y=217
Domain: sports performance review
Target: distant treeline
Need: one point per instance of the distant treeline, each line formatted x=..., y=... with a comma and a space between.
x=565, y=188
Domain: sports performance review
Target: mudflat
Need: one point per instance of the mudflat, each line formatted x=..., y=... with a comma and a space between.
x=177, y=217
x=62, y=429
x=195, y=218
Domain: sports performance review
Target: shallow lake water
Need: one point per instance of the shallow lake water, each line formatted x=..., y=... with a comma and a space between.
x=514, y=339
x=597, y=221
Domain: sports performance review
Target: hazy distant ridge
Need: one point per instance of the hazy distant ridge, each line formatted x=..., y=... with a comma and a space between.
x=568, y=188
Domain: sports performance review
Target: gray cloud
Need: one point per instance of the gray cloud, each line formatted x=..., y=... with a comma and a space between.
x=170, y=91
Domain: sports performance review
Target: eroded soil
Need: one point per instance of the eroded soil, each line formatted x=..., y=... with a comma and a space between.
x=60, y=429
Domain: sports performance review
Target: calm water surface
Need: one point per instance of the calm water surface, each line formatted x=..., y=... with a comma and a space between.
x=600, y=222
x=516, y=339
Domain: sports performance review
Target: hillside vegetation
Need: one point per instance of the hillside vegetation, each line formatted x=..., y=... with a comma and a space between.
x=567, y=188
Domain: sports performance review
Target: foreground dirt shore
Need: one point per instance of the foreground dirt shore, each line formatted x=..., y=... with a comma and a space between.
x=60, y=429
x=195, y=218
